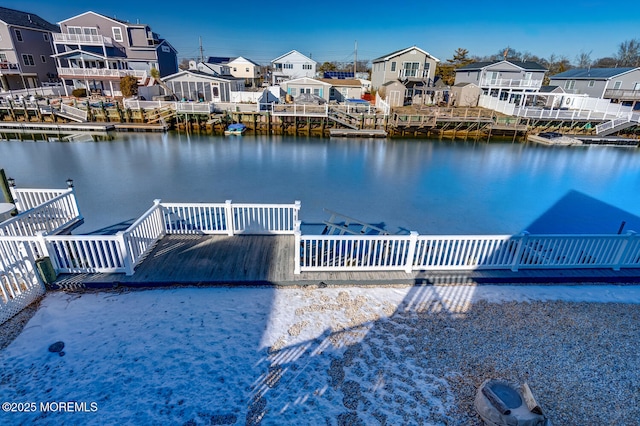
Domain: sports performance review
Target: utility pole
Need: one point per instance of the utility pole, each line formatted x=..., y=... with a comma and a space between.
x=201, y=51
x=355, y=60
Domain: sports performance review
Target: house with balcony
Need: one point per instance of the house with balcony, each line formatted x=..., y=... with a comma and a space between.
x=94, y=52
x=410, y=64
x=620, y=85
x=25, y=50
x=292, y=65
x=505, y=80
x=247, y=69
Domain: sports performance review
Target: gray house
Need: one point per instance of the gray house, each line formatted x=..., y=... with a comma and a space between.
x=94, y=51
x=407, y=64
x=25, y=50
x=298, y=86
x=503, y=79
x=198, y=86
x=617, y=84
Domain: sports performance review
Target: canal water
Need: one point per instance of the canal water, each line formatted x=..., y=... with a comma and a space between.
x=429, y=186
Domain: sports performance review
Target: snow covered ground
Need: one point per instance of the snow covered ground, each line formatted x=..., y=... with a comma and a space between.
x=241, y=355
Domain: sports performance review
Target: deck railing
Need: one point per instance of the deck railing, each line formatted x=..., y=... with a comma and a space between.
x=19, y=283
x=415, y=252
x=49, y=217
x=142, y=235
x=86, y=253
x=300, y=110
x=27, y=198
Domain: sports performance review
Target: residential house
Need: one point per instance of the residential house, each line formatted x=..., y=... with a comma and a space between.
x=94, y=51
x=25, y=50
x=506, y=80
x=298, y=86
x=292, y=65
x=465, y=95
x=410, y=64
x=246, y=69
x=342, y=89
x=617, y=84
x=198, y=86
x=212, y=66
x=394, y=93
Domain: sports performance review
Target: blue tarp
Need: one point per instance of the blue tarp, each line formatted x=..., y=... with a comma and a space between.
x=238, y=126
x=357, y=101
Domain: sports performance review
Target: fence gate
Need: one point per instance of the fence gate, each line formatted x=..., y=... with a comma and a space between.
x=19, y=282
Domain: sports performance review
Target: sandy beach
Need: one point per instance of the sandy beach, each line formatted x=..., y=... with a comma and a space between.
x=335, y=356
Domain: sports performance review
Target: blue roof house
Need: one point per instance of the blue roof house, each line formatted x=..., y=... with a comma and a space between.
x=617, y=84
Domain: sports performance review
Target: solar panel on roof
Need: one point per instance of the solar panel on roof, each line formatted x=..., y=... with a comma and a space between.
x=341, y=75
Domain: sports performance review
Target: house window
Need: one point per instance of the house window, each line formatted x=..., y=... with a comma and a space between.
x=293, y=91
x=28, y=60
x=74, y=30
x=43, y=59
x=570, y=84
x=117, y=33
x=617, y=85
x=18, y=35
x=288, y=66
x=246, y=69
x=591, y=83
x=166, y=49
x=3, y=57
x=306, y=66
x=316, y=92
x=410, y=69
x=45, y=36
x=393, y=66
x=235, y=69
x=91, y=31
x=425, y=73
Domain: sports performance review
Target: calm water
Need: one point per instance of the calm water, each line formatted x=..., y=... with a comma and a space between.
x=428, y=186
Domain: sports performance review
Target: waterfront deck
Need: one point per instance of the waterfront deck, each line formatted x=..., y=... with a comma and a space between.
x=194, y=260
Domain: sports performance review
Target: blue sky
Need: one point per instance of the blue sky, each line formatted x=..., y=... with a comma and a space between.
x=328, y=31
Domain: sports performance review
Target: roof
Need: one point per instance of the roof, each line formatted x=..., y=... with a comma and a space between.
x=218, y=60
x=306, y=80
x=400, y=52
x=112, y=18
x=26, y=19
x=592, y=73
x=289, y=53
x=242, y=58
x=464, y=85
x=341, y=81
x=550, y=89
x=200, y=74
x=525, y=65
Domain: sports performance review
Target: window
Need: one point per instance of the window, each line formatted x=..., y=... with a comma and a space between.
x=166, y=49
x=393, y=66
x=425, y=73
x=293, y=91
x=235, y=69
x=316, y=92
x=43, y=59
x=91, y=31
x=306, y=66
x=74, y=30
x=18, y=35
x=287, y=66
x=591, y=83
x=28, y=60
x=617, y=85
x=117, y=33
x=3, y=57
x=45, y=36
x=410, y=69
x=569, y=84
x=246, y=69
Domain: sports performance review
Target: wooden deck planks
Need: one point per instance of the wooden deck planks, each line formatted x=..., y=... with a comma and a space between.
x=269, y=259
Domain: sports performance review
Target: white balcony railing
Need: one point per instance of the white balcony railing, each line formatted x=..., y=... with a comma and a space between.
x=631, y=95
x=509, y=82
x=83, y=39
x=9, y=67
x=99, y=72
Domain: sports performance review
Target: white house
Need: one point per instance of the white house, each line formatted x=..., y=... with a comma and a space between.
x=194, y=85
x=247, y=69
x=292, y=65
x=302, y=85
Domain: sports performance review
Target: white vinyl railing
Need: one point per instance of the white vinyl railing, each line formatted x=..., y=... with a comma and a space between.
x=82, y=38
x=381, y=104
x=27, y=198
x=230, y=219
x=86, y=253
x=300, y=110
x=510, y=82
x=19, y=283
x=78, y=113
x=136, y=104
x=49, y=217
x=142, y=235
x=612, y=124
x=194, y=107
x=414, y=252
x=100, y=72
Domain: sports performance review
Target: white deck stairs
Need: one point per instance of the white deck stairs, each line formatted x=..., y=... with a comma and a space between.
x=343, y=118
x=339, y=224
x=617, y=124
x=70, y=113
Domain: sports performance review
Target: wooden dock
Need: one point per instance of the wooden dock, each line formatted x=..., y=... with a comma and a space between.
x=358, y=133
x=53, y=128
x=195, y=260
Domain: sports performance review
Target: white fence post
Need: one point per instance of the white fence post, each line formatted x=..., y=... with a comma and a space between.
x=519, y=249
x=228, y=214
x=296, y=250
x=126, y=254
x=296, y=215
x=623, y=250
x=411, y=252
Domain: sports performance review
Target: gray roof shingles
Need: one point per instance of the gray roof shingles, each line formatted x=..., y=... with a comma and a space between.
x=591, y=73
x=527, y=65
x=26, y=19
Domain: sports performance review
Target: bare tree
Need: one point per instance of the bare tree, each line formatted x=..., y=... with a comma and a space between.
x=629, y=53
x=583, y=60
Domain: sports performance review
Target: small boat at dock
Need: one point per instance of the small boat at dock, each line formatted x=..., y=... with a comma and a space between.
x=235, y=129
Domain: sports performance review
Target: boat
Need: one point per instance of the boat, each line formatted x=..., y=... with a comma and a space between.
x=553, y=138
x=235, y=129
x=501, y=404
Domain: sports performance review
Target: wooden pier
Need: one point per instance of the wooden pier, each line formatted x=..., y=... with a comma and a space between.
x=196, y=260
x=359, y=133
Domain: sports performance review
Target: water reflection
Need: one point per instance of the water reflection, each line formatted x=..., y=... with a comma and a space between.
x=439, y=187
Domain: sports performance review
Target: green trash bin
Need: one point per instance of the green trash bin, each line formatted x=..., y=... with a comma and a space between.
x=46, y=271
